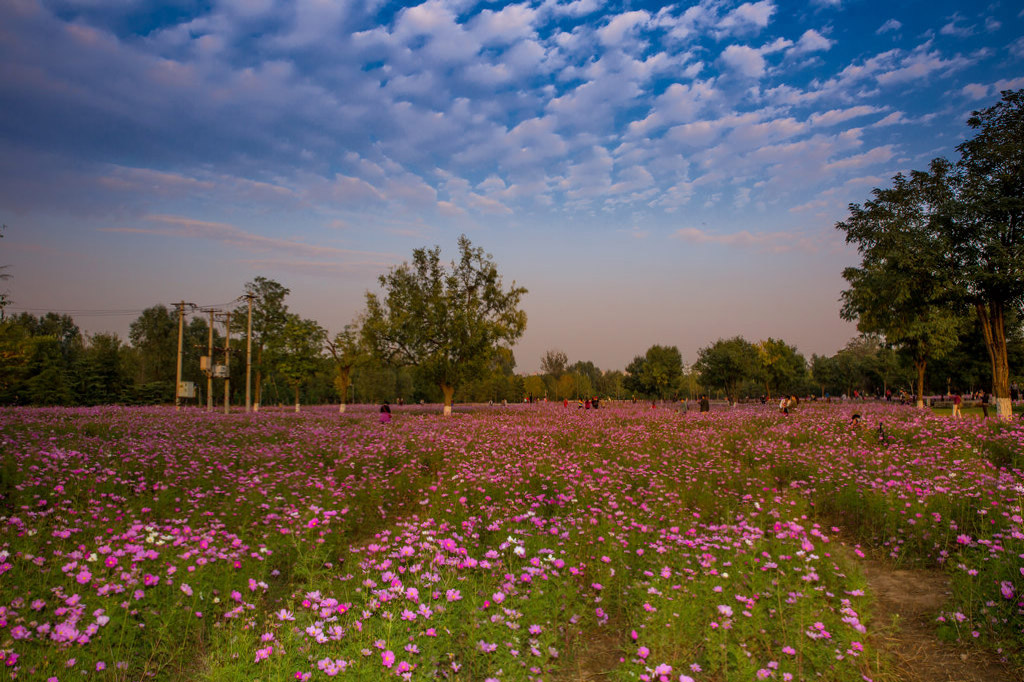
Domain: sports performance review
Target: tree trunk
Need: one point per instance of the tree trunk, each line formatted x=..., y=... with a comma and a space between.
x=919, y=364
x=448, y=391
x=296, y=398
x=992, y=326
x=342, y=382
x=768, y=389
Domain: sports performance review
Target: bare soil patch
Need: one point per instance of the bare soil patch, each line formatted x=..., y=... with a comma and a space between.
x=907, y=603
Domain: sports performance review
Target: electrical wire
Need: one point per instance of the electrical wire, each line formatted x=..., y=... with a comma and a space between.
x=95, y=312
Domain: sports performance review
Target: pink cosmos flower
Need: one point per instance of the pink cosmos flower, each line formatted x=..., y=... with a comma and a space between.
x=388, y=658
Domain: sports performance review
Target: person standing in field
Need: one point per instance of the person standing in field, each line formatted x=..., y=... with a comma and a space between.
x=956, y=406
x=705, y=405
x=385, y=413
x=984, y=404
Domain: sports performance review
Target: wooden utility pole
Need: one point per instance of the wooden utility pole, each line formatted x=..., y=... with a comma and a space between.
x=227, y=363
x=181, y=333
x=248, y=357
x=209, y=367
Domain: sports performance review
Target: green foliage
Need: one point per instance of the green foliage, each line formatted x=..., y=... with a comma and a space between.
x=553, y=362
x=154, y=335
x=901, y=290
x=657, y=373
x=269, y=316
x=297, y=350
x=943, y=241
x=726, y=363
x=780, y=366
x=448, y=322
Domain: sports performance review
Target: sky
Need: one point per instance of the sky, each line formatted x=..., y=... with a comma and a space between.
x=652, y=173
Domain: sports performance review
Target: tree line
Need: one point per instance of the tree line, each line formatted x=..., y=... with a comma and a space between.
x=46, y=360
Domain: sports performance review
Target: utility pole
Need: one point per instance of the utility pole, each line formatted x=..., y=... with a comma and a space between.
x=181, y=334
x=248, y=357
x=209, y=368
x=227, y=363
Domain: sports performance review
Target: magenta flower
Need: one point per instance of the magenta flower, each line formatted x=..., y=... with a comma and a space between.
x=388, y=658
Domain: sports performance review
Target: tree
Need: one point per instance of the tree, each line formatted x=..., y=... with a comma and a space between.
x=657, y=372
x=447, y=322
x=48, y=381
x=532, y=385
x=901, y=290
x=15, y=350
x=347, y=353
x=565, y=387
x=101, y=375
x=611, y=385
x=987, y=241
x=553, y=362
x=269, y=315
x=589, y=370
x=780, y=365
x=725, y=364
x=154, y=335
x=297, y=351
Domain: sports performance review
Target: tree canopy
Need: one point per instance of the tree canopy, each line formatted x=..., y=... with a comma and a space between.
x=446, y=321
x=725, y=364
x=901, y=290
x=944, y=240
x=656, y=373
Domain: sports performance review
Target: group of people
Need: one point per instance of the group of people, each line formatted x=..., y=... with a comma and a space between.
x=788, y=402
x=584, y=404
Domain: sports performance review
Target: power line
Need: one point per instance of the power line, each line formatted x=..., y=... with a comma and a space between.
x=83, y=312
x=114, y=312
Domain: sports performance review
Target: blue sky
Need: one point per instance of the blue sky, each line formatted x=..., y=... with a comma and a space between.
x=651, y=173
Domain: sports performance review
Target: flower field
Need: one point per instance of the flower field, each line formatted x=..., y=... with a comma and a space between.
x=531, y=542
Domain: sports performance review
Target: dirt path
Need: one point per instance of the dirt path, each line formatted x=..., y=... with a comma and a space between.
x=907, y=602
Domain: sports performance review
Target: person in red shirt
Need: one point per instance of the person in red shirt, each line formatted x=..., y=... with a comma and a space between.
x=956, y=406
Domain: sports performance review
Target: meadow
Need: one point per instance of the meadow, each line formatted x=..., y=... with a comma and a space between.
x=528, y=542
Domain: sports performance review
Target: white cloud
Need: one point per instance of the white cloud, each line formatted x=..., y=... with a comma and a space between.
x=868, y=158
x=747, y=18
x=577, y=8
x=180, y=226
x=975, y=91
x=680, y=102
x=895, y=118
x=591, y=176
x=622, y=27
x=890, y=25
x=1009, y=84
x=314, y=21
x=953, y=28
x=688, y=23
x=810, y=41
x=505, y=26
x=775, y=242
x=744, y=60
x=834, y=116
x=1017, y=48
x=485, y=204
x=920, y=64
